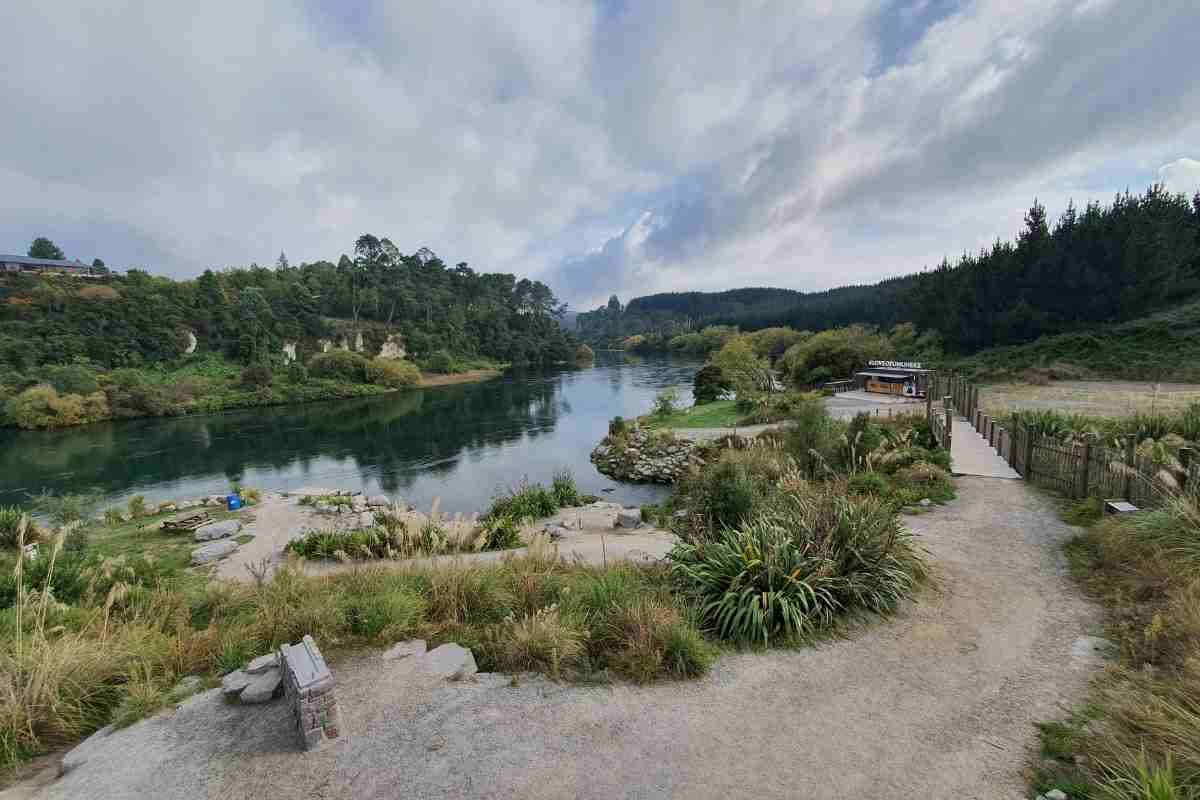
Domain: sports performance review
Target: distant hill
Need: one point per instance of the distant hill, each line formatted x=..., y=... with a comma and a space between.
x=1101, y=264
x=1164, y=346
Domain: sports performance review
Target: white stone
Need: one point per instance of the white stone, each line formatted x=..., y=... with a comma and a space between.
x=414, y=647
x=289, y=352
x=217, y=530
x=926, y=502
x=366, y=519
x=358, y=503
x=358, y=342
x=1056, y=794
x=378, y=501
x=262, y=687
x=628, y=519
x=393, y=347
x=451, y=661
x=191, y=343
x=262, y=663
x=213, y=551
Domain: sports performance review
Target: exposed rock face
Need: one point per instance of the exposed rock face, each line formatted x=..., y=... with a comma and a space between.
x=451, y=661
x=191, y=343
x=358, y=342
x=645, y=457
x=392, y=347
x=289, y=352
x=629, y=519
x=325, y=345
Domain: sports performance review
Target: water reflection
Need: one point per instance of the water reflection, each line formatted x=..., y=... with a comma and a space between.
x=459, y=443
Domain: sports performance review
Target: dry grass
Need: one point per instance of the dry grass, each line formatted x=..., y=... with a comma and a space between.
x=1095, y=398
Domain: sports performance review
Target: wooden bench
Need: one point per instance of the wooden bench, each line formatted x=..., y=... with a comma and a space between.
x=186, y=524
x=308, y=686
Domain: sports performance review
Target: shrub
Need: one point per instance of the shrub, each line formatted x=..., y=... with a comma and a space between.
x=709, y=384
x=647, y=638
x=41, y=406
x=256, y=376
x=617, y=427
x=442, y=361
x=71, y=379
x=724, y=494
x=392, y=373
x=791, y=572
x=12, y=519
x=297, y=373
x=665, y=402
x=137, y=506
x=566, y=493
x=871, y=483
x=546, y=640
x=584, y=354
x=811, y=436
x=528, y=501
x=339, y=365
x=501, y=532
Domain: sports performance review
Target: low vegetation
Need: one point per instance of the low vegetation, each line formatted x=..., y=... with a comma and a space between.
x=1135, y=735
x=1175, y=428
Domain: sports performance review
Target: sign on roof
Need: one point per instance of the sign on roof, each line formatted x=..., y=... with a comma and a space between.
x=896, y=364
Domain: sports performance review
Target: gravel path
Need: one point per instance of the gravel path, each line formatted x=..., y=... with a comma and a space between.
x=937, y=703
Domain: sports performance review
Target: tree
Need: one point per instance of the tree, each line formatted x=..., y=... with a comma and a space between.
x=98, y=265
x=41, y=247
x=742, y=369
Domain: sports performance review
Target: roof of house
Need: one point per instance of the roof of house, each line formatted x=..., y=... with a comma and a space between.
x=43, y=262
x=899, y=376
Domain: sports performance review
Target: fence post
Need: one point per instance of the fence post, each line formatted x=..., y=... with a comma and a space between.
x=1087, y=466
x=929, y=402
x=1028, y=453
x=1130, y=450
x=948, y=408
x=1185, y=461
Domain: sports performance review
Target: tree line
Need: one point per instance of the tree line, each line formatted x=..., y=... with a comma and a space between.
x=1101, y=264
x=248, y=313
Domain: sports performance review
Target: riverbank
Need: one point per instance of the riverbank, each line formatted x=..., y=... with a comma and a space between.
x=470, y=376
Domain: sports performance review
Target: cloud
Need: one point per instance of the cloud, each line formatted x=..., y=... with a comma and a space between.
x=603, y=147
x=1181, y=175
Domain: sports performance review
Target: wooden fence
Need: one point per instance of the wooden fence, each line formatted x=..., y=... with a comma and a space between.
x=1076, y=470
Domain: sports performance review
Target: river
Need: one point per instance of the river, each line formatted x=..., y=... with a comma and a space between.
x=461, y=444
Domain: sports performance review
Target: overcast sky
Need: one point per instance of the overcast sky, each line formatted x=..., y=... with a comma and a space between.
x=613, y=146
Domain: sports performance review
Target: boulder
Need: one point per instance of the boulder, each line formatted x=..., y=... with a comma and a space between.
x=262, y=664
x=263, y=686
x=83, y=751
x=926, y=502
x=378, y=501
x=235, y=682
x=321, y=507
x=213, y=551
x=451, y=661
x=358, y=503
x=167, y=508
x=414, y=647
x=628, y=519
x=217, y=530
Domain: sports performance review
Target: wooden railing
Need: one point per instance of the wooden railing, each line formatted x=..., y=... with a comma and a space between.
x=1075, y=469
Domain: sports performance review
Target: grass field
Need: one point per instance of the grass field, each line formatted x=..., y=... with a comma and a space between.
x=1094, y=398
x=718, y=414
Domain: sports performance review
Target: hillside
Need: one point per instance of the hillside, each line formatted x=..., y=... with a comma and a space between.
x=1105, y=263
x=1161, y=346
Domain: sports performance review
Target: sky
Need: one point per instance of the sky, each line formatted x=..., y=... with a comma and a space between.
x=602, y=147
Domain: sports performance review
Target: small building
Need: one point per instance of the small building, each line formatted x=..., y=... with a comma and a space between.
x=26, y=264
x=900, y=378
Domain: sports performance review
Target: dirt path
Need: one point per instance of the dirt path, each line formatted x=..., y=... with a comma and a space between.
x=937, y=703
x=277, y=520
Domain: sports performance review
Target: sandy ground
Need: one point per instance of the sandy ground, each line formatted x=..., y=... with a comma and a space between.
x=939, y=702
x=1099, y=398
x=471, y=376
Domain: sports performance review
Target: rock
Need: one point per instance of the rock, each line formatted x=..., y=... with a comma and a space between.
x=262, y=664
x=217, y=530
x=926, y=502
x=263, y=687
x=1056, y=794
x=366, y=519
x=213, y=551
x=321, y=507
x=628, y=519
x=358, y=503
x=378, y=501
x=235, y=682
x=556, y=531
x=79, y=755
x=451, y=661
x=167, y=508
x=414, y=647
x=184, y=505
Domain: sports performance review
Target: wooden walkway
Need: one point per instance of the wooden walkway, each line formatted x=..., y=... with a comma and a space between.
x=970, y=454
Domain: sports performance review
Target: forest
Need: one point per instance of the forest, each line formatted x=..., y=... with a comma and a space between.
x=1102, y=264
x=77, y=349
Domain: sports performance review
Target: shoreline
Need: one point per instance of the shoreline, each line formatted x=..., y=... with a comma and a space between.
x=470, y=376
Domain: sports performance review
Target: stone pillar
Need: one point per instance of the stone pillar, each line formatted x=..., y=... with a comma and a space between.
x=308, y=686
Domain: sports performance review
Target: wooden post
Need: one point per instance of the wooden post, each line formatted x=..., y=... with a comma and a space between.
x=1028, y=453
x=949, y=411
x=929, y=402
x=1087, y=467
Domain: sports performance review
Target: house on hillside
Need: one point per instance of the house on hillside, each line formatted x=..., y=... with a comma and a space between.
x=10, y=264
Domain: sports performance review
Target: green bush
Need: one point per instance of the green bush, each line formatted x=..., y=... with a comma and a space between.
x=42, y=406
x=527, y=501
x=297, y=373
x=810, y=439
x=871, y=483
x=708, y=384
x=566, y=493
x=617, y=426
x=392, y=373
x=339, y=365
x=665, y=402
x=10, y=526
x=71, y=379
x=256, y=376
x=791, y=572
x=584, y=354
x=443, y=362
x=725, y=494
x=501, y=533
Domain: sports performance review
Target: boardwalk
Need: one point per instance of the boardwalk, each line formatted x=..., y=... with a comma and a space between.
x=970, y=454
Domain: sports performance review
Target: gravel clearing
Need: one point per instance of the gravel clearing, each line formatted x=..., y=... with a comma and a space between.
x=939, y=702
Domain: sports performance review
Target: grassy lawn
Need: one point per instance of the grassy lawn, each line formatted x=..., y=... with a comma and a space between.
x=142, y=537
x=718, y=414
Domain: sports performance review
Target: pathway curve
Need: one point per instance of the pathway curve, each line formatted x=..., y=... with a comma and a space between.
x=939, y=702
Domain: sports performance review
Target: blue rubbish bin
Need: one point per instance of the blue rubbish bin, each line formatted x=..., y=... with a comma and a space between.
x=233, y=502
